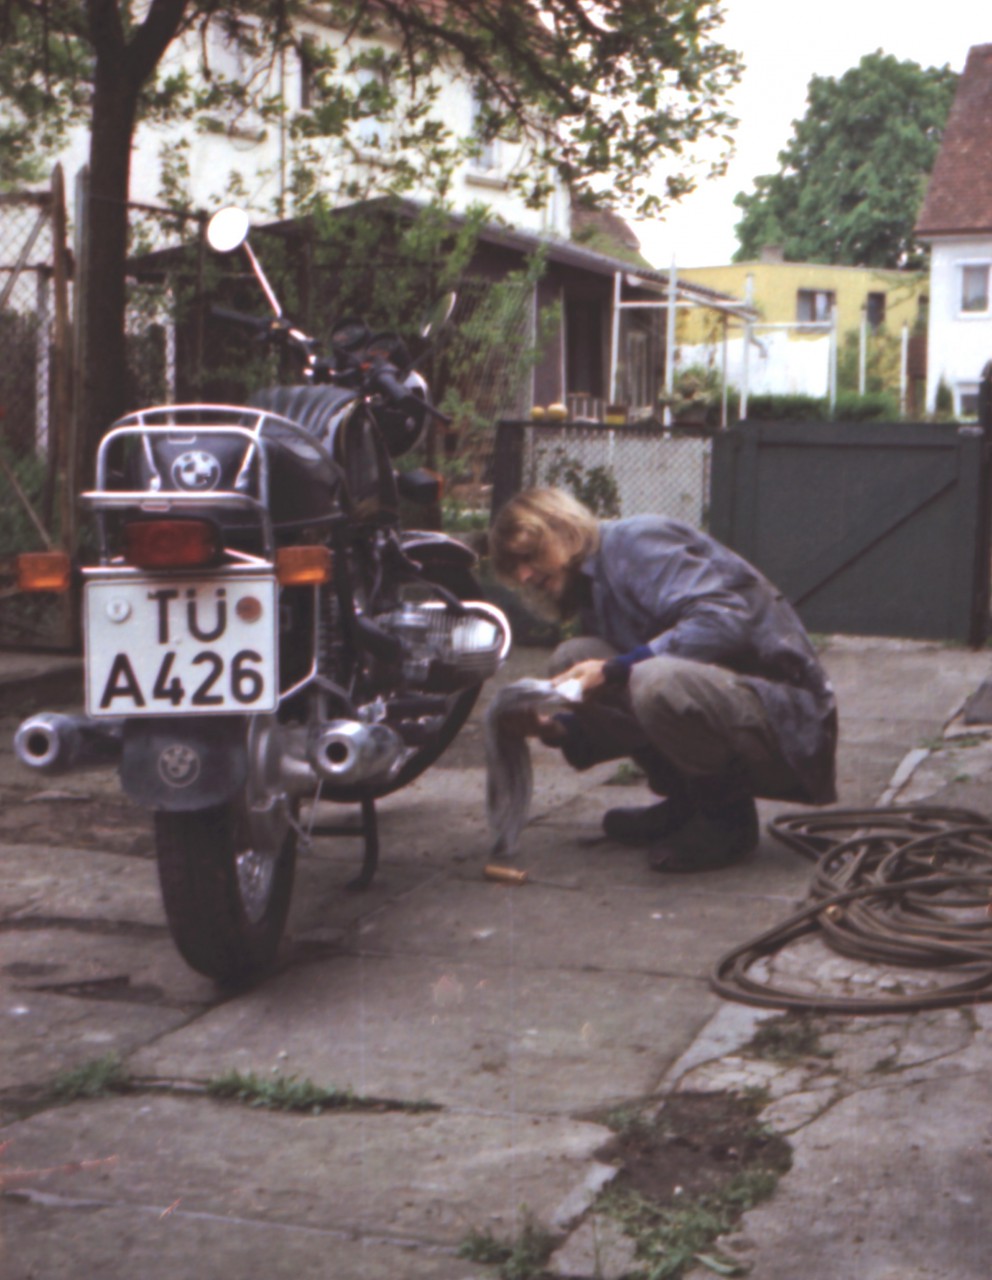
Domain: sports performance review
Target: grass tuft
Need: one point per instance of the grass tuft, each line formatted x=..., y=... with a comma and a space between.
x=96, y=1079
x=520, y=1259
x=670, y=1240
x=787, y=1039
x=287, y=1093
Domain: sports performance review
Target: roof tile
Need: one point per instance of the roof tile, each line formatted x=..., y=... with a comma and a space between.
x=959, y=195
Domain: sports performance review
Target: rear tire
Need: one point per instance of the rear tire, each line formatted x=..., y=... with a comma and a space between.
x=226, y=901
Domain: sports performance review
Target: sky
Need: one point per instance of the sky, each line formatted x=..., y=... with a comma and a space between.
x=784, y=43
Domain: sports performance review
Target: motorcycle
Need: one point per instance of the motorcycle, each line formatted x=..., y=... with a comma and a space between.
x=260, y=633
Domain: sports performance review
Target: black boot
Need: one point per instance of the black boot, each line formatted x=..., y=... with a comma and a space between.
x=723, y=829
x=647, y=824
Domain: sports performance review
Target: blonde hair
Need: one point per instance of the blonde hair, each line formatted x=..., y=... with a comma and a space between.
x=535, y=519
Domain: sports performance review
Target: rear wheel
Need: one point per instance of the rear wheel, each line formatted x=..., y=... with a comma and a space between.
x=226, y=886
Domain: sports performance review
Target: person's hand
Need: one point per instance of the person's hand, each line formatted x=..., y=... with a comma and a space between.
x=531, y=724
x=589, y=675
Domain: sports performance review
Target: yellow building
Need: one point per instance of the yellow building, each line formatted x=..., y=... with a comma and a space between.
x=797, y=303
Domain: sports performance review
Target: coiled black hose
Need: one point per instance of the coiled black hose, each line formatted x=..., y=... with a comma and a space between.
x=909, y=887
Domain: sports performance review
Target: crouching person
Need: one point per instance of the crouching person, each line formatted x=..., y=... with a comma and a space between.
x=690, y=662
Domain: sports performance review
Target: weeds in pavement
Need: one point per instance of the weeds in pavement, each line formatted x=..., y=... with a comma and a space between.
x=95, y=1079
x=670, y=1239
x=287, y=1093
x=631, y=1125
x=520, y=1259
x=687, y=1171
x=787, y=1038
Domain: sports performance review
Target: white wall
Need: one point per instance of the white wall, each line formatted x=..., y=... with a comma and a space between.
x=959, y=343
x=259, y=152
x=777, y=363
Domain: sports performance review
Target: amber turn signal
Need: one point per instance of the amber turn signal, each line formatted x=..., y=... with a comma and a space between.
x=43, y=571
x=303, y=566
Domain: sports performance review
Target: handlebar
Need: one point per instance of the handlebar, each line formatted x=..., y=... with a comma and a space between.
x=383, y=381
x=382, y=377
x=258, y=323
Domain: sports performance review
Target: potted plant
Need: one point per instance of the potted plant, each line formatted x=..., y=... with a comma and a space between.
x=695, y=399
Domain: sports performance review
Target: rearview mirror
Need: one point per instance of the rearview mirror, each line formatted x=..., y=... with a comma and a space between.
x=227, y=230
x=438, y=315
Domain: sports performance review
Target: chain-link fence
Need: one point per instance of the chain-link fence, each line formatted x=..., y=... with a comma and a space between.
x=26, y=308
x=35, y=384
x=165, y=285
x=485, y=376
x=615, y=470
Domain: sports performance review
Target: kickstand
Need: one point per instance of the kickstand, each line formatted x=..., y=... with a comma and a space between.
x=369, y=830
x=370, y=855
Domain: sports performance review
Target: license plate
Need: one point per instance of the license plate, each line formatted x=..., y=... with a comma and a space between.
x=189, y=647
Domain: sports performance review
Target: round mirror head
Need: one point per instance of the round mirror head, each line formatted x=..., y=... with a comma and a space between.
x=227, y=229
x=438, y=315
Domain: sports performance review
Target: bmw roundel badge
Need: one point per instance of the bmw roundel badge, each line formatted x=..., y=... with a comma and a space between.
x=179, y=765
x=196, y=470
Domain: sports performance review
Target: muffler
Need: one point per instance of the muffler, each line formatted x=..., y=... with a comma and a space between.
x=51, y=742
x=347, y=751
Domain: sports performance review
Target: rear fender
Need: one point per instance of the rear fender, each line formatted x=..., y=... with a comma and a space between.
x=184, y=763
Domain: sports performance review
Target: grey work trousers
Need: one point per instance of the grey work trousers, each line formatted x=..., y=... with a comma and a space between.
x=681, y=721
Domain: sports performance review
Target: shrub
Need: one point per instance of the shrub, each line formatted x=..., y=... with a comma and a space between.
x=788, y=408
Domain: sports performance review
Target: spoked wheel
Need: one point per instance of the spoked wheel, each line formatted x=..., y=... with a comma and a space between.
x=226, y=875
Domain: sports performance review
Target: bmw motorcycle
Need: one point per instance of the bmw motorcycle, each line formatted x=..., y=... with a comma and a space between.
x=259, y=632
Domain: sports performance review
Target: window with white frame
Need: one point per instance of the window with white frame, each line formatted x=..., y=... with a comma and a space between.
x=372, y=129
x=975, y=287
x=967, y=397
x=307, y=55
x=488, y=158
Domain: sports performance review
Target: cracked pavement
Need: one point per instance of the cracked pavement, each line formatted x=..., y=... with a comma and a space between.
x=523, y=1013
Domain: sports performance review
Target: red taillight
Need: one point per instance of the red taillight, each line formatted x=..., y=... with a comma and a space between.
x=170, y=544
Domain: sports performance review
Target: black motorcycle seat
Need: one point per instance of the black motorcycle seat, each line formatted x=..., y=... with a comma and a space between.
x=312, y=408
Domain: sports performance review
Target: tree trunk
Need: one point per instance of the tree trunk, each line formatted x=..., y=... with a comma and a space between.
x=104, y=357
x=122, y=67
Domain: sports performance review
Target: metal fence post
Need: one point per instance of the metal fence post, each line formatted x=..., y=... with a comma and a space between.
x=508, y=463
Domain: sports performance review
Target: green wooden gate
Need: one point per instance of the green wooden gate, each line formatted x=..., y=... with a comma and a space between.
x=869, y=529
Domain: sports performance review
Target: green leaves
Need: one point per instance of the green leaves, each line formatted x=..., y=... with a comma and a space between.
x=603, y=91
x=853, y=173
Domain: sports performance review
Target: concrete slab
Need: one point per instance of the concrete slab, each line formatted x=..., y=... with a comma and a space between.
x=889, y=1183
x=566, y=918
x=58, y=1240
x=509, y=1039
x=45, y=1034
x=520, y=1010
x=426, y=1179
x=37, y=881
x=892, y=696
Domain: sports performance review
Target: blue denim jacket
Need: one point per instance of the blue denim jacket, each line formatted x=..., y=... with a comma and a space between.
x=660, y=586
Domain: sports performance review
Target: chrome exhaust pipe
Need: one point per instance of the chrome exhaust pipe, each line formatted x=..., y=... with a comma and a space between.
x=347, y=751
x=52, y=743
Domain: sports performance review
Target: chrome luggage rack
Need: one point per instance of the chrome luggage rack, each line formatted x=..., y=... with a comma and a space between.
x=176, y=422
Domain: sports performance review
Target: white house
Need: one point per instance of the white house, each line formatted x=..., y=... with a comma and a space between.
x=253, y=158
x=956, y=221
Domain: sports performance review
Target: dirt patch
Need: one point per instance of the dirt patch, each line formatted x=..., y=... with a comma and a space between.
x=694, y=1147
